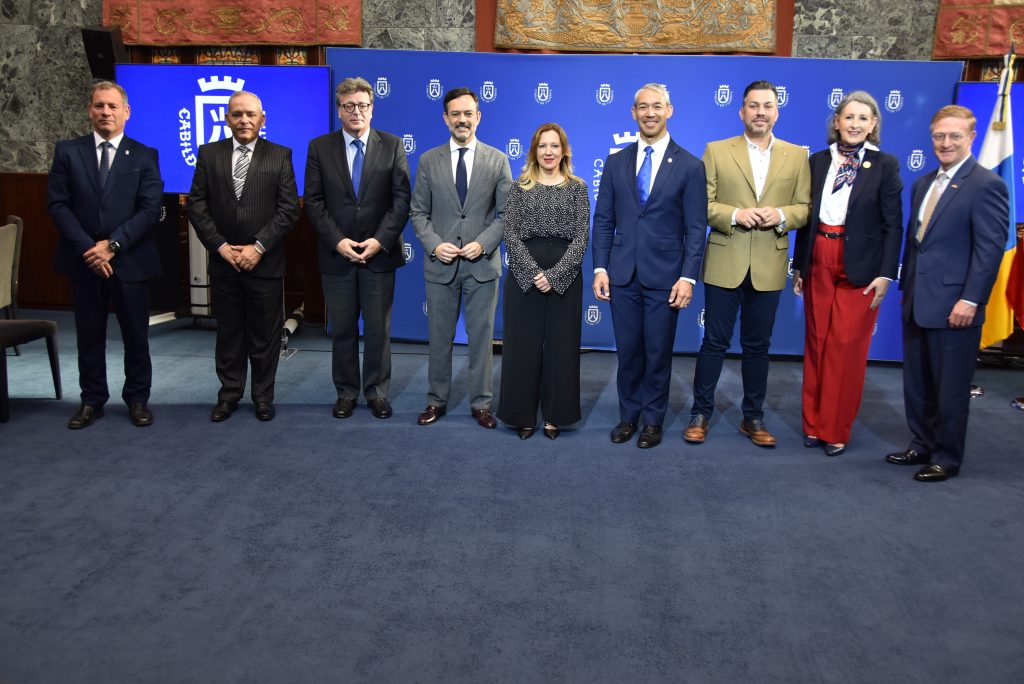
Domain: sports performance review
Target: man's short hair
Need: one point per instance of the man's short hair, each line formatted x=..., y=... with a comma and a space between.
x=761, y=85
x=240, y=93
x=656, y=87
x=456, y=93
x=108, y=85
x=956, y=112
x=353, y=84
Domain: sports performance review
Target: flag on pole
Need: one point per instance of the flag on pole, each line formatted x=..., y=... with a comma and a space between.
x=997, y=155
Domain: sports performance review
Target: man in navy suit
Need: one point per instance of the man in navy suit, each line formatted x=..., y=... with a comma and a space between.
x=104, y=196
x=955, y=239
x=649, y=228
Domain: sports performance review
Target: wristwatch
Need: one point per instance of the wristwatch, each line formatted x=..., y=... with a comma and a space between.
x=115, y=246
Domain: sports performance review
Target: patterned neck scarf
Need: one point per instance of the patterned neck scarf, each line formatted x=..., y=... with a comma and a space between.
x=848, y=169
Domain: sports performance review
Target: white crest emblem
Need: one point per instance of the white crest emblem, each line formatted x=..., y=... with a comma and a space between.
x=789, y=268
x=542, y=94
x=915, y=162
x=593, y=314
x=894, y=102
x=835, y=97
x=488, y=93
x=434, y=89
x=605, y=94
x=783, y=96
x=723, y=96
x=408, y=143
x=407, y=251
x=425, y=308
x=504, y=259
x=514, y=149
x=382, y=88
x=700, y=318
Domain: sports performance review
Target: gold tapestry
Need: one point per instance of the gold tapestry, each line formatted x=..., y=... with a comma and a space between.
x=637, y=25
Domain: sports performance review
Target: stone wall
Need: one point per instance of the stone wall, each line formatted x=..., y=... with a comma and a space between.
x=44, y=76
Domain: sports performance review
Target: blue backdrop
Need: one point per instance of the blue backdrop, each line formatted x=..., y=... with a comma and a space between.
x=590, y=96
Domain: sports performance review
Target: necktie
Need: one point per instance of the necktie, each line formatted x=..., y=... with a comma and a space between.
x=104, y=161
x=643, y=179
x=461, y=177
x=241, y=168
x=929, y=207
x=357, y=165
x=847, y=172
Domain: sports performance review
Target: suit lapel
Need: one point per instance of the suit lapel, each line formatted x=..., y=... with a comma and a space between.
x=259, y=151
x=738, y=149
x=90, y=160
x=664, y=171
x=866, y=174
x=480, y=162
x=952, y=187
x=443, y=169
x=631, y=153
x=339, y=158
x=818, y=175
x=778, y=159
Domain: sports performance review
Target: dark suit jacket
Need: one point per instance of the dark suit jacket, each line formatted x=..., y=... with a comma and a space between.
x=661, y=241
x=380, y=211
x=962, y=249
x=874, y=218
x=127, y=210
x=266, y=211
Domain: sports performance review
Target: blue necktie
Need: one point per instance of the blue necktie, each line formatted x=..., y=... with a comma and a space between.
x=461, y=177
x=357, y=165
x=104, y=162
x=643, y=179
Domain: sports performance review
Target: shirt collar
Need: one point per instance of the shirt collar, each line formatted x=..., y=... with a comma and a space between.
x=952, y=172
x=235, y=145
x=115, y=141
x=365, y=137
x=867, y=146
x=753, y=145
x=453, y=147
x=659, y=147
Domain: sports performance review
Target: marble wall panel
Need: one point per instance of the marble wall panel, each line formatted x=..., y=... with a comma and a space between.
x=871, y=29
x=14, y=11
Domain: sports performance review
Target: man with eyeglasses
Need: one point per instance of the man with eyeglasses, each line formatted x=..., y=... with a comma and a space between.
x=649, y=228
x=759, y=189
x=357, y=198
x=954, y=245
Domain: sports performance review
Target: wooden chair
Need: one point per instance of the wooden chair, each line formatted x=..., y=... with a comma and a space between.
x=21, y=332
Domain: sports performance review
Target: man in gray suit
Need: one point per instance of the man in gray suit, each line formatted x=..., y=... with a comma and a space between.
x=457, y=207
x=242, y=204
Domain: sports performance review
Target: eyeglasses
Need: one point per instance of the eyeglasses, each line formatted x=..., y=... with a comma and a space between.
x=353, y=106
x=953, y=137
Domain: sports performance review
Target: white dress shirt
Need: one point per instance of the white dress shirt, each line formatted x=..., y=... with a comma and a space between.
x=115, y=142
x=834, y=204
x=760, y=161
x=454, y=148
x=350, y=149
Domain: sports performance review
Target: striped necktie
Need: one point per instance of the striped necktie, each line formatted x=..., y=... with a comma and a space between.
x=241, y=168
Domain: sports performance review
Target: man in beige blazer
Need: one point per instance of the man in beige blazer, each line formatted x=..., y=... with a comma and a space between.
x=759, y=189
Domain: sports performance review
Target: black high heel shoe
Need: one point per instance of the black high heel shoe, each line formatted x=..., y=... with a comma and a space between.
x=526, y=433
x=551, y=431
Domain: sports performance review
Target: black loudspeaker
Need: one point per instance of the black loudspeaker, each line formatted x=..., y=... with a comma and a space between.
x=104, y=48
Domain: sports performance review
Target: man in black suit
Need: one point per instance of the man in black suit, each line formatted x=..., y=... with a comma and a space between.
x=104, y=197
x=242, y=204
x=357, y=198
x=956, y=235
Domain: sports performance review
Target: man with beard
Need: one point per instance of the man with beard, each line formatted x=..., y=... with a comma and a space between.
x=759, y=189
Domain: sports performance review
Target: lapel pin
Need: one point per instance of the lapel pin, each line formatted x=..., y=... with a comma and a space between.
x=954, y=186
x=670, y=160
x=867, y=165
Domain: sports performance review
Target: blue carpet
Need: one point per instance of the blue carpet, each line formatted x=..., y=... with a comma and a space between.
x=311, y=549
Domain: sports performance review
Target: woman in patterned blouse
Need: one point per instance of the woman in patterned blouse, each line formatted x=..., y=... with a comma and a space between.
x=547, y=226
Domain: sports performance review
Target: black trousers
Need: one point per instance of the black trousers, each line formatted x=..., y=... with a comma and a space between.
x=92, y=299
x=250, y=317
x=540, y=358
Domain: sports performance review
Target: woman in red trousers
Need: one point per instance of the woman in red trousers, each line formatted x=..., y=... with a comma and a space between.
x=844, y=263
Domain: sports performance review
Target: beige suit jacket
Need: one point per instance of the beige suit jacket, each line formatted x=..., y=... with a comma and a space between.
x=733, y=250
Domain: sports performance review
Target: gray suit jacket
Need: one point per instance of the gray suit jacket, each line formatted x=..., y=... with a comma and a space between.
x=437, y=216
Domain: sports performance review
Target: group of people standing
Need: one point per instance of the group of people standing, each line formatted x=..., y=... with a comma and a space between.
x=651, y=244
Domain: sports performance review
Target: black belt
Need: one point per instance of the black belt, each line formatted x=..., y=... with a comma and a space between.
x=832, y=236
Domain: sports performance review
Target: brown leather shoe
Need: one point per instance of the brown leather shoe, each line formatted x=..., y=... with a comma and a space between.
x=697, y=430
x=755, y=429
x=484, y=418
x=431, y=414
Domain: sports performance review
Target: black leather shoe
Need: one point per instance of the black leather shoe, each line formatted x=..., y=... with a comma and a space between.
x=431, y=414
x=343, y=408
x=812, y=442
x=834, y=449
x=623, y=432
x=484, y=418
x=265, y=410
x=526, y=433
x=551, y=431
x=650, y=436
x=380, y=407
x=223, y=410
x=140, y=414
x=84, y=416
x=936, y=473
x=908, y=457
